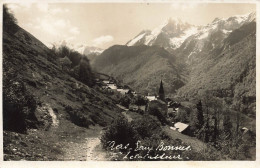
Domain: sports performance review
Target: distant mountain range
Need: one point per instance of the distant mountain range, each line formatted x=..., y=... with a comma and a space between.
x=82, y=49
x=190, y=59
x=170, y=34
x=174, y=32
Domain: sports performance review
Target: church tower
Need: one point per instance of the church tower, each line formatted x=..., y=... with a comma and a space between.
x=161, y=92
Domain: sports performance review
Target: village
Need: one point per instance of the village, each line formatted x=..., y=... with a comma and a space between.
x=169, y=108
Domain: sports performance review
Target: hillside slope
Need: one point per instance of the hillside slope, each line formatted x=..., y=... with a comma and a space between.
x=229, y=71
x=141, y=67
x=33, y=80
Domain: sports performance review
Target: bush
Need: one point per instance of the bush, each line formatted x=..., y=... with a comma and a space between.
x=76, y=64
x=155, y=111
x=18, y=108
x=78, y=117
x=140, y=101
x=125, y=101
x=146, y=126
x=121, y=132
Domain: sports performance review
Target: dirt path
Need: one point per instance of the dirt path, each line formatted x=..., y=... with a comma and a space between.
x=55, y=121
x=94, y=150
x=89, y=149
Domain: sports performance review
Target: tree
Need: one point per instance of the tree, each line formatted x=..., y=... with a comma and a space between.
x=85, y=74
x=65, y=64
x=200, y=118
x=9, y=21
x=63, y=51
x=207, y=130
x=227, y=126
x=140, y=101
x=125, y=101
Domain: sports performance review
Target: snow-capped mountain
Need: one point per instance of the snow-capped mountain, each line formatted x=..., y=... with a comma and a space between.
x=82, y=49
x=170, y=34
x=174, y=33
x=213, y=34
x=86, y=50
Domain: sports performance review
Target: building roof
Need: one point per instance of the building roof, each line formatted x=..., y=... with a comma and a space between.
x=123, y=91
x=112, y=86
x=150, y=98
x=180, y=126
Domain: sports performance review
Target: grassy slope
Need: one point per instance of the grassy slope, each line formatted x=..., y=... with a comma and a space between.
x=26, y=60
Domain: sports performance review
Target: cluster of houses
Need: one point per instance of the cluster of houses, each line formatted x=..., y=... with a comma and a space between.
x=110, y=85
x=170, y=107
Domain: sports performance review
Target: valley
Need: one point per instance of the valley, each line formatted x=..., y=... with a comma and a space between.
x=179, y=84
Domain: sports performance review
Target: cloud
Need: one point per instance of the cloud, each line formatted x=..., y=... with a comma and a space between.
x=54, y=26
x=55, y=11
x=74, y=30
x=45, y=25
x=61, y=23
x=184, y=6
x=103, y=39
x=19, y=6
x=48, y=22
x=43, y=7
x=13, y=7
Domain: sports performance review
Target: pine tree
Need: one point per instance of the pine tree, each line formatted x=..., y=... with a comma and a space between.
x=161, y=92
x=200, y=118
x=227, y=126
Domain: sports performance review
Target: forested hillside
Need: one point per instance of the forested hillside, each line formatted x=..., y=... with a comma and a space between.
x=141, y=67
x=228, y=71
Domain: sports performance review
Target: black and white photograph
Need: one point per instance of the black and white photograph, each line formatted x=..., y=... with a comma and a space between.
x=129, y=81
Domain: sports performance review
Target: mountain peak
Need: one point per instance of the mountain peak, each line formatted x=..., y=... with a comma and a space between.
x=216, y=20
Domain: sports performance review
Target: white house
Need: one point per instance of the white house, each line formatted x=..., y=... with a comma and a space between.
x=123, y=91
x=106, y=81
x=180, y=126
x=112, y=86
x=151, y=98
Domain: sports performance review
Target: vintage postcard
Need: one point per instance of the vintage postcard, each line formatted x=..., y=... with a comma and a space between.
x=135, y=81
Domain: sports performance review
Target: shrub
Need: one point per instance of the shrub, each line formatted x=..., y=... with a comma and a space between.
x=146, y=126
x=155, y=111
x=85, y=74
x=18, y=108
x=121, y=132
x=78, y=117
x=125, y=101
x=140, y=101
x=75, y=64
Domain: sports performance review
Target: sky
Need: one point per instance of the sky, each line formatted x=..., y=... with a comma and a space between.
x=106, y=24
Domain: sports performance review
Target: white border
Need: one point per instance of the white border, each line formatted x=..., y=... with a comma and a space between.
x=148, y=164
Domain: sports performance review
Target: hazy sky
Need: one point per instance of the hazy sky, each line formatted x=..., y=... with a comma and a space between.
x=106, y=24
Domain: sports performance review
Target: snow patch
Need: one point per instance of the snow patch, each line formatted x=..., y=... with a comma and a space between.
x=154, y=33
x=177, y=41
x=226, y=31
x=132, y=42
x=203, y=35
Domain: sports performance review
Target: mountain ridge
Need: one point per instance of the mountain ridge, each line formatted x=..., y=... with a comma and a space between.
x=173, y=33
